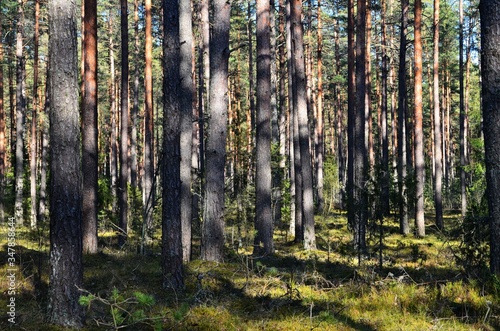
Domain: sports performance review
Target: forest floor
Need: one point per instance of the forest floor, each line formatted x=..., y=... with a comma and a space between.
x=420, y=285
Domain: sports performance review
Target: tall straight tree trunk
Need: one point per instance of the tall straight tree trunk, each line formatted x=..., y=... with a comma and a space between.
x=44, y=162
x=320, y=145
x=89, y=129
x=212, y=248
x=251, y=83
x=122, y=192
x=490, y=59
x=173, y=273
x=148, y=195
x=463, y=114
x=3, y=150
x=113, y=159
x=300, y=107
x=263, y=244
x=402, y=113
x=20, y=113
x=135, y=103
x=351, y=110
x=33, y=145
x=438, y=152
x=385, y=177
x=360, y=157
x=186, y=113
x=66, y=268
x=419, y=133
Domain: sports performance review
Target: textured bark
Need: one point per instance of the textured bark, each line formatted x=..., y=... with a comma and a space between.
x=134, y=111
x=213, y=214
x=351, y=105
x=148, y=195
x=251, y=82
x=438, y=152
x=3, y=154
x=113, y=159
x=320, y=148
x=490, y=73
x=385, y=176
x=20, y=114
x=33, y=145
x=300, y=108
x=402, y=110
x=90, y=129
x=124, y=121
x=263, y=244
x=186, y=124
x=419, y=133
x=66, y=270
x=463, y=114
x=173, y=274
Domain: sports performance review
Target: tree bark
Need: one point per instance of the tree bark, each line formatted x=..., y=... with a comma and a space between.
x=20, y=114
x=213, y=225
x=66, y=270
x=124, y=158
x=263, y=243
x=463, y=115
x=320, y=144
x=419, y=133
x=90, y=129
x=135, y=104
x=186, y=113
x=385, y=177
x=33, y=144
x=438, y=152
x=490, y=59
x=173, y=274
x=351, y=105
x=3, y=154
x=300, y=107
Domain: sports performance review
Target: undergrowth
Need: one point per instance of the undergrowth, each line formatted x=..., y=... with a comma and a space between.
x=419, y=287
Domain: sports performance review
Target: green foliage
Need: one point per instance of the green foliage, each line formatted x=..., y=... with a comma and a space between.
x=331, y=185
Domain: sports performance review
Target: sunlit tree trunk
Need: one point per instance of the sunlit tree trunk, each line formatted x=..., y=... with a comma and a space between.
x=263, y=216
x=66, y=269
x=44, y=162
x=20, y=113
x=186, y=121
x=89, y=129
x=463, y=114
x=135, y=103
x=33, y=144
x=419, y=134
x=3, y=152
x=438, y=152
x=213, y=225
x=385, y=177
x=319, y=120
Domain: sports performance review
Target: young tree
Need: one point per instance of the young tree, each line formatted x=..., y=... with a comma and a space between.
x=300, y=108
x=171, y=159
x=438, y=152
x=490, y=73
x=263, y=216
x=148, y=177
x=20, y=112
x=33, y=145
x=66, y=270
x=89, y=129
x=419, y=133
x=186, y=113
x=122, y=192
x=213, y=213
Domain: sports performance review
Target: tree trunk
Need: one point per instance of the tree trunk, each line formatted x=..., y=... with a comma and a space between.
x=186, y=113
x=263, y=244
x=490, y=59
x=3, y=153
x=320, y=148
x=385, y=177
x=300, y=107
x=402, y=110
x=438, y=152
x=463, y=114
x=42, y=202
x=90, y=130
x=66, y=269
x=124, y=164
x=113, y=159
x=33, y=145
x=173, y=274
x=419, y=133
x=213, y=225
x=351, y=111
x=20, y=114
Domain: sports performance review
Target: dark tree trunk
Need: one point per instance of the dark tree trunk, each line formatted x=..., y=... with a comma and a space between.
x=124, y=164
x=89, y=129
x=186, y=113
x=135, y=103
x=173, y=274
x=402, y=110
x=20, y=114
x=300, y=107
x=66, y=270
x=351, y=105
x=213, y=225
x=263, y=244
x=490, y=73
